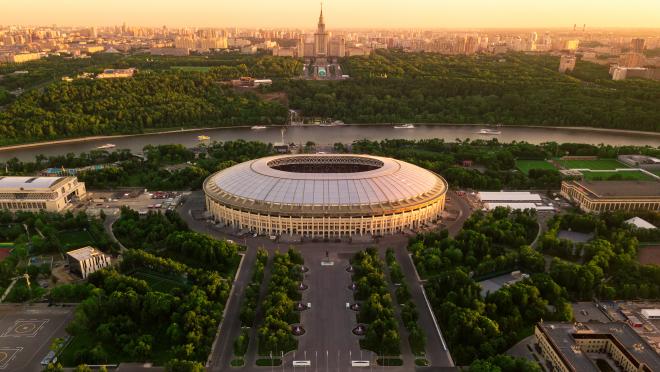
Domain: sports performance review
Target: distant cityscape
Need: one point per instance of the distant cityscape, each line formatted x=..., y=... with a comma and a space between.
x=624, y=51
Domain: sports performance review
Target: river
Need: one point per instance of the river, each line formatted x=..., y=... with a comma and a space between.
x=345, y=134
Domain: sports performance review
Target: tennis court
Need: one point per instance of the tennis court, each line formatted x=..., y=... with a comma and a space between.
x=76, y=239
x=526, y=165
x=158, y=281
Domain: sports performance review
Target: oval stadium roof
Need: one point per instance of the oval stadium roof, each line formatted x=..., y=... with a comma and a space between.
x=385, y=184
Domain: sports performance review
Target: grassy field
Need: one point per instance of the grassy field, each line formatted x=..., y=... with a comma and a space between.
x=192, y=68
x=6, y=245
x=526, y=165
x=626, y=175
x=600, y=164
x=158, y=281
x=76, y=239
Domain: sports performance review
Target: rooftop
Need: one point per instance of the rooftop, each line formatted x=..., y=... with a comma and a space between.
x=563, y=336
x=84, y=253
x=325, y=183
x=28, y=183
x=622, y=189
x=509, y=196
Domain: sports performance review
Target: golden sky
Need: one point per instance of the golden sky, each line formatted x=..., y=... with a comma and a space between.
x=339, y=13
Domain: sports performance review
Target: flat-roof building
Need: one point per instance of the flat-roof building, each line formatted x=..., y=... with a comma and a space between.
x=651, y=314
x=581, y=346
x=601, y=196
x=53, y=194
x=86, y=260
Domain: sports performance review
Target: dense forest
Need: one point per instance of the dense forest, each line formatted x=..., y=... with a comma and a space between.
x=513, y=89
x=389, y=86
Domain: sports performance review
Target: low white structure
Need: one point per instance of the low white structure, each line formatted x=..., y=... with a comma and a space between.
x=651, y=314
x=116, y=73
x=509, y=196
x=84, y=261
x=519, y=206
x=640, y=223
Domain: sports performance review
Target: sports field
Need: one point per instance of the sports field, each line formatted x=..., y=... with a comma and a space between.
x=76, y=239
x=526, y=165
x=600, y=164
x=621, y=176
x=159, y=282
x=192, y=68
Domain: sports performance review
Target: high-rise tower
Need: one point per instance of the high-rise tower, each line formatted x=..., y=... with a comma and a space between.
x=321, y=38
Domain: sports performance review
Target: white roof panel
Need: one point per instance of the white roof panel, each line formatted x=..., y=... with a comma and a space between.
x=28, y=183
x=509, y=196
x=392, y=182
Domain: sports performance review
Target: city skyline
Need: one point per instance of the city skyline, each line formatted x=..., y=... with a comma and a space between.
x=341, y=13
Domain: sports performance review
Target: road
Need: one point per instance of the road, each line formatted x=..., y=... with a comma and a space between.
x=437, y=352
x=464, y=210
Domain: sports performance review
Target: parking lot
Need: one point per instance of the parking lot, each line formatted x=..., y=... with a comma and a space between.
x=26, y=333
x=138, y=200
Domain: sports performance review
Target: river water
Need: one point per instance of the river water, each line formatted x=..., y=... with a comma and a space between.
x=345, y=134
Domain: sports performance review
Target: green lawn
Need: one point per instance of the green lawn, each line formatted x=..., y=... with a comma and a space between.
x=6, y=245
x=600, y=164
x=526, y=165
x=626, y=175
x=192, y=68
x=76, y=239
x=158, y=281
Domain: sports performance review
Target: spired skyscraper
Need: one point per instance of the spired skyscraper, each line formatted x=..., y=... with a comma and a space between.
x=321, y=38
x=321, y=45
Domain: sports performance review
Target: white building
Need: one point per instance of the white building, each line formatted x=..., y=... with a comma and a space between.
x=84, y=261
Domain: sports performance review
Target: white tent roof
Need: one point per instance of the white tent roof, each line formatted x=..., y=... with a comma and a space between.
x=640, y=223
x=509, y=196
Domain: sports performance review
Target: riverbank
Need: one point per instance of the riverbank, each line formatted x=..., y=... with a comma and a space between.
x=201, y=129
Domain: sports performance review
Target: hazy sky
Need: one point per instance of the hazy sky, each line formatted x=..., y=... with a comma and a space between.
x=339, y=13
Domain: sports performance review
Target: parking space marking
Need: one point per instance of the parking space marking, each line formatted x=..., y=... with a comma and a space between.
x=25, y=328
x=7, y=354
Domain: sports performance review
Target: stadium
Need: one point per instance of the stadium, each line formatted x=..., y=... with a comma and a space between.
x=325, y=196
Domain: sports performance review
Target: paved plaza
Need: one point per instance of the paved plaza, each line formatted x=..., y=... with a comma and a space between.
x=26, y=333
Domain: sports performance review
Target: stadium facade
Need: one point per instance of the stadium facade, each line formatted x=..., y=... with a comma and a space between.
x=325, y=196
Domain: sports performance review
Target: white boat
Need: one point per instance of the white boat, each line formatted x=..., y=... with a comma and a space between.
x=490, y=132
x=404, y=126
x=107, y=146
x=203, y=138
x=258, y=127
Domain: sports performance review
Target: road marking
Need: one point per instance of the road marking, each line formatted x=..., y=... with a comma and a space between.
x=7, y=354
x=25, y=328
